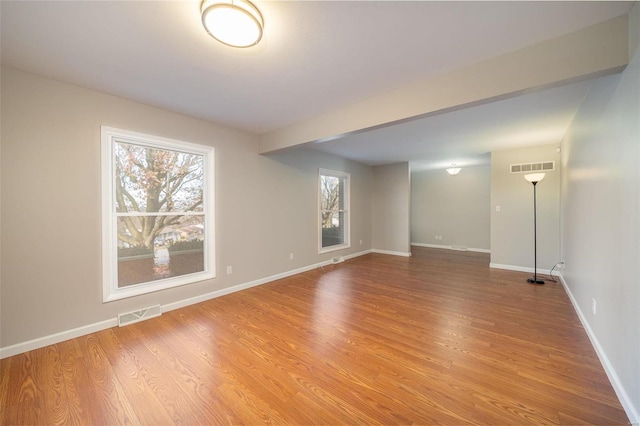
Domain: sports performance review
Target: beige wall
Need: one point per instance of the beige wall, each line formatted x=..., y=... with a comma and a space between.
x=455, y=207
x=305, y=164
x=512, y=227
x=50, y=207
x=391, y=208
x=601, y=219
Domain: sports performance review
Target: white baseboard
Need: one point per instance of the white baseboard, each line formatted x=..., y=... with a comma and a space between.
x=522, y=269
x=392, y=253
x=52, y=339
x=457, y=248
x=362, y=253
x=511, y=267
x=625, y=400
x=41, y=342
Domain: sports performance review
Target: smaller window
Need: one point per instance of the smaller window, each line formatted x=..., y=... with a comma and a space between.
x=334, y=210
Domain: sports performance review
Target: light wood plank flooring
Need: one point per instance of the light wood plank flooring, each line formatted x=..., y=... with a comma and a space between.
x=438, y=338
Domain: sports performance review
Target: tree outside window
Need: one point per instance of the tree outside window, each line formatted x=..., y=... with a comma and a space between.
x=334, y=212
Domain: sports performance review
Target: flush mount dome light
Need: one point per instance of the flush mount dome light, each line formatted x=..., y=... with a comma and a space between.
x=236, y=23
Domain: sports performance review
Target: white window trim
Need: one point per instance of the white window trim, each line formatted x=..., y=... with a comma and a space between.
x=347, y=209
x=110, y=290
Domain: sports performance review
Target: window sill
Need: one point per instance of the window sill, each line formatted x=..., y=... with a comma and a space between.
x=333, y=248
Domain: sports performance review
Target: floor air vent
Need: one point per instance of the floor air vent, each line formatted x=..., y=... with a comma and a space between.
x=140, y=315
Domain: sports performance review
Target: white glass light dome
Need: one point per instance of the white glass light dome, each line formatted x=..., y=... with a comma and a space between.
x=236, y=23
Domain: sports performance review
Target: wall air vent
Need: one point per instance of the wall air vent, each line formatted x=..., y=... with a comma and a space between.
x=141, y=315
x=543, y=166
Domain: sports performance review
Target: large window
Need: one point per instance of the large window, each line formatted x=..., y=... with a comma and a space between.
x=334, y=210
x=158, y=223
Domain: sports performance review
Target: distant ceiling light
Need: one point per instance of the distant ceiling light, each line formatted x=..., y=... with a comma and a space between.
x=236, y=23
x=453, y=170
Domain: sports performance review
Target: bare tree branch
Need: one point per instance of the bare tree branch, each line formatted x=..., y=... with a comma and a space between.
x=154, y=181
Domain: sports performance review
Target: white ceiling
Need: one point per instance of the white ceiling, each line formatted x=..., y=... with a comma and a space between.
x=314, y=57
x=467, y=136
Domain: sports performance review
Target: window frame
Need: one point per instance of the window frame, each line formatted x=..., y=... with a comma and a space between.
x=109, y=137
x=347, y=210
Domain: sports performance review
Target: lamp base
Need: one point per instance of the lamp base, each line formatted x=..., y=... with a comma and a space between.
x=535, y=281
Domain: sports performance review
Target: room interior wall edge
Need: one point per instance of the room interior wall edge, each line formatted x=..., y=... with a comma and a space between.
x=601, y=220
x=618, y=387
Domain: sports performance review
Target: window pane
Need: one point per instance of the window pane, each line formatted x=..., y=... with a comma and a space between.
x=157, y=180
x=332, y=204
x=329, y=193
x=332, y=229
x=152, y=248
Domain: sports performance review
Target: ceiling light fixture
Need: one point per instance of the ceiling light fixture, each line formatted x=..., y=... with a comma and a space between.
x=453, y=170
x=236, y=23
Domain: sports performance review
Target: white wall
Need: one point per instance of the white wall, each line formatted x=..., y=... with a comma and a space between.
x=455, y=207
x=391, y=209
x=266, y=207
x=512, y=233
x=601, y=220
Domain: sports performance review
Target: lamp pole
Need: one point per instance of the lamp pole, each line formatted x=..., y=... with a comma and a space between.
x=534, y=178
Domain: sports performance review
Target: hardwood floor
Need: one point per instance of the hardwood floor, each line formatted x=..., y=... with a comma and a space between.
x=438, y=338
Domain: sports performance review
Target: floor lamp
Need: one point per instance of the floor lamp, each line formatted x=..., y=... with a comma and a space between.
x=534, y=178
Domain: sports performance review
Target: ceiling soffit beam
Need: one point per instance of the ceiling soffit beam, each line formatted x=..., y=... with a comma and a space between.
x=597, y=50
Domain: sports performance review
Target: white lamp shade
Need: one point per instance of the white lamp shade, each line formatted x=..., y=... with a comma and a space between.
x=534, y=177
x=236, y=23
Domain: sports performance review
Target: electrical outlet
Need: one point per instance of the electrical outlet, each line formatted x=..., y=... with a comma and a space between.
x=290, y=256
x=360, y=242
x=229, y=270
x=593, y=306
